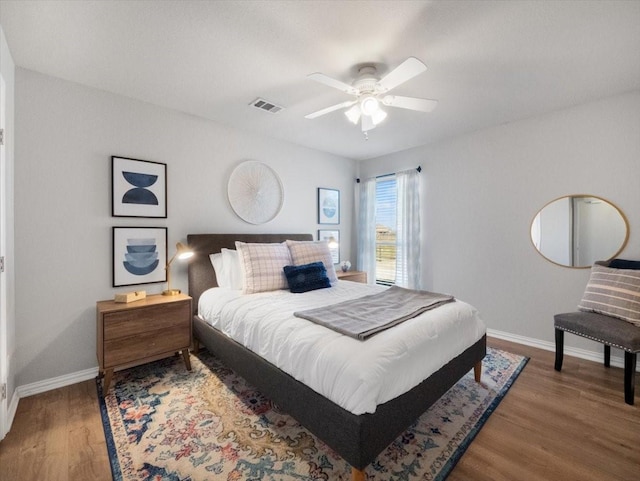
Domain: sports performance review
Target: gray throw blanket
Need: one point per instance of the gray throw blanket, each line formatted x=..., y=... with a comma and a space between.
x=363, y=317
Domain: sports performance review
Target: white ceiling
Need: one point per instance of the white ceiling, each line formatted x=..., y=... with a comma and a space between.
x=488, y=62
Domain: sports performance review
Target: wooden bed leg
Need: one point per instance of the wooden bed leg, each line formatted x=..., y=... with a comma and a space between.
x=357, y=474
x=477, y=371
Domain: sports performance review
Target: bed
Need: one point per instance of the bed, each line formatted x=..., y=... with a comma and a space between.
x=358, y=438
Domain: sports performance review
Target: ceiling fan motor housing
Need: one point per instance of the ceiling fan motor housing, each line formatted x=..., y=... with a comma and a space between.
x=367, y=80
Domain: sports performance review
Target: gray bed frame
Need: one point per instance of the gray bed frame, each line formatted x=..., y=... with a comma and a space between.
x=357, y=438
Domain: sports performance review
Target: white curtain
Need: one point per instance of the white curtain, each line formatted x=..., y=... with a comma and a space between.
x=367, y=229
x=408, y=229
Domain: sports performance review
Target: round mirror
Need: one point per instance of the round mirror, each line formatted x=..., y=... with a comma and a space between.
x=577, y=230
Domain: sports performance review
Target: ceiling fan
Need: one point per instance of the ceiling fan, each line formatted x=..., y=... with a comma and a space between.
x=370, y=91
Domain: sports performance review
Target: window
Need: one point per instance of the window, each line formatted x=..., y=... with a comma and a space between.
x=389, y=229
x=386, y=203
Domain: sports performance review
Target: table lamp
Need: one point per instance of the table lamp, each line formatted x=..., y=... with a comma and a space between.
x=182, y=252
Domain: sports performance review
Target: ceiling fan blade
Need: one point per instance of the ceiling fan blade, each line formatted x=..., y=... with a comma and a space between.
x=411, y=103
x=367, y=123
x=339, y=106
x=331, y=82
x=403, y=72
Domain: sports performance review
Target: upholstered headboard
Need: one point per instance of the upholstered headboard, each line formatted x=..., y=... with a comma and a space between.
x=201, y=273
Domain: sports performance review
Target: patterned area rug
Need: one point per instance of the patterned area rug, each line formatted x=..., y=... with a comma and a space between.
x=163, y=422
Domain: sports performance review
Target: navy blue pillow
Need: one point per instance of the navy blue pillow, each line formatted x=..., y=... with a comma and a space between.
x=307, y=277
x=624, y=264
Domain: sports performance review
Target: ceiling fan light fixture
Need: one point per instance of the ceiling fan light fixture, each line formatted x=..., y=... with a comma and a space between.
x=353, y=114
x=369, y=105
x=378, y=116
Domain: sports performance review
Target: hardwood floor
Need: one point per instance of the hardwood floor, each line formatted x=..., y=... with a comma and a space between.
x=56, y=436
x=572, y=425
x=569, y=425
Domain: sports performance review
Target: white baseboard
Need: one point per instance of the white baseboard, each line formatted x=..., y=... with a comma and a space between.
x=56, y=382
x=596, y=356
x=12, y=408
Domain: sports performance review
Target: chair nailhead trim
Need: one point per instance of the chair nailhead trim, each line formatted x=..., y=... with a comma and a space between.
x=596, y=339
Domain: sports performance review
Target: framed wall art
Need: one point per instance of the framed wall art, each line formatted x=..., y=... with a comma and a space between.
x=333, y=238
x=139, y=255
x=328, y=206
x=138, y=188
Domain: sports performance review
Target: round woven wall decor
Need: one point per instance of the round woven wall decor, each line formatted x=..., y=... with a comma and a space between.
x=255, y=192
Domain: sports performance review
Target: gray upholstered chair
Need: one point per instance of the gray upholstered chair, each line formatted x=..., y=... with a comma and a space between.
x=605, y=329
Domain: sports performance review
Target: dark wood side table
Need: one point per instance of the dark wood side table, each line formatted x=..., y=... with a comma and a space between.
x=142, y=331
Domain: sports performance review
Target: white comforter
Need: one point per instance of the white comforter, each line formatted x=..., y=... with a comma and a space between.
x=357, y=375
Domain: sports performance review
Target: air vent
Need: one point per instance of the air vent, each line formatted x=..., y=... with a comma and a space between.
x=267, y=106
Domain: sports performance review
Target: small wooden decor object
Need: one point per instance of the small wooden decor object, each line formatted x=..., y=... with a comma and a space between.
x=130, y=296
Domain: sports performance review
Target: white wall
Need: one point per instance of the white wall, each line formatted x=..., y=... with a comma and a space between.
x=481, y=192
x=65, y=136
x=7, y=69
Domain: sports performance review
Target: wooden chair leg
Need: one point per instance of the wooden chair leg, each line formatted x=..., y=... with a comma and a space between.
x=559, y=349
x=607, y=355
x=630, y=359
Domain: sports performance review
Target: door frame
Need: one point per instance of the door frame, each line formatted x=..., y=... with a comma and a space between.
x=4, y=401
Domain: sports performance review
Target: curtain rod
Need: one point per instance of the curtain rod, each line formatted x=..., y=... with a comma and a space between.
x=419, y=169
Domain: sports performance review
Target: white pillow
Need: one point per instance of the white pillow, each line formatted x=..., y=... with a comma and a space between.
x=232, y=268
x=217, y=263
x=227, y=267
x=306, y=252
x=263, y=266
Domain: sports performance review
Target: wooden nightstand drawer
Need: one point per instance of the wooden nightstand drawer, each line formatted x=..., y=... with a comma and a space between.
x=137, y=321
x=128, y=349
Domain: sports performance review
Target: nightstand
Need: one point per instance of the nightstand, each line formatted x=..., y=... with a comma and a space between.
x=354, y=276
x=142, y=331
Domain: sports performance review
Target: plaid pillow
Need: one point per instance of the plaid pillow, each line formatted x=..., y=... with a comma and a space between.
x=262, y=265
x=306, y=252
x=613, y=292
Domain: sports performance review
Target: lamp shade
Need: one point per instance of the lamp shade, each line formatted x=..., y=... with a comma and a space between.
x=353, y=114
x=183, y=251
x=379, y=116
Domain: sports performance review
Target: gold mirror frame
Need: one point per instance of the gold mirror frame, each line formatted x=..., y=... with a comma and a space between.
x=577, y=196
